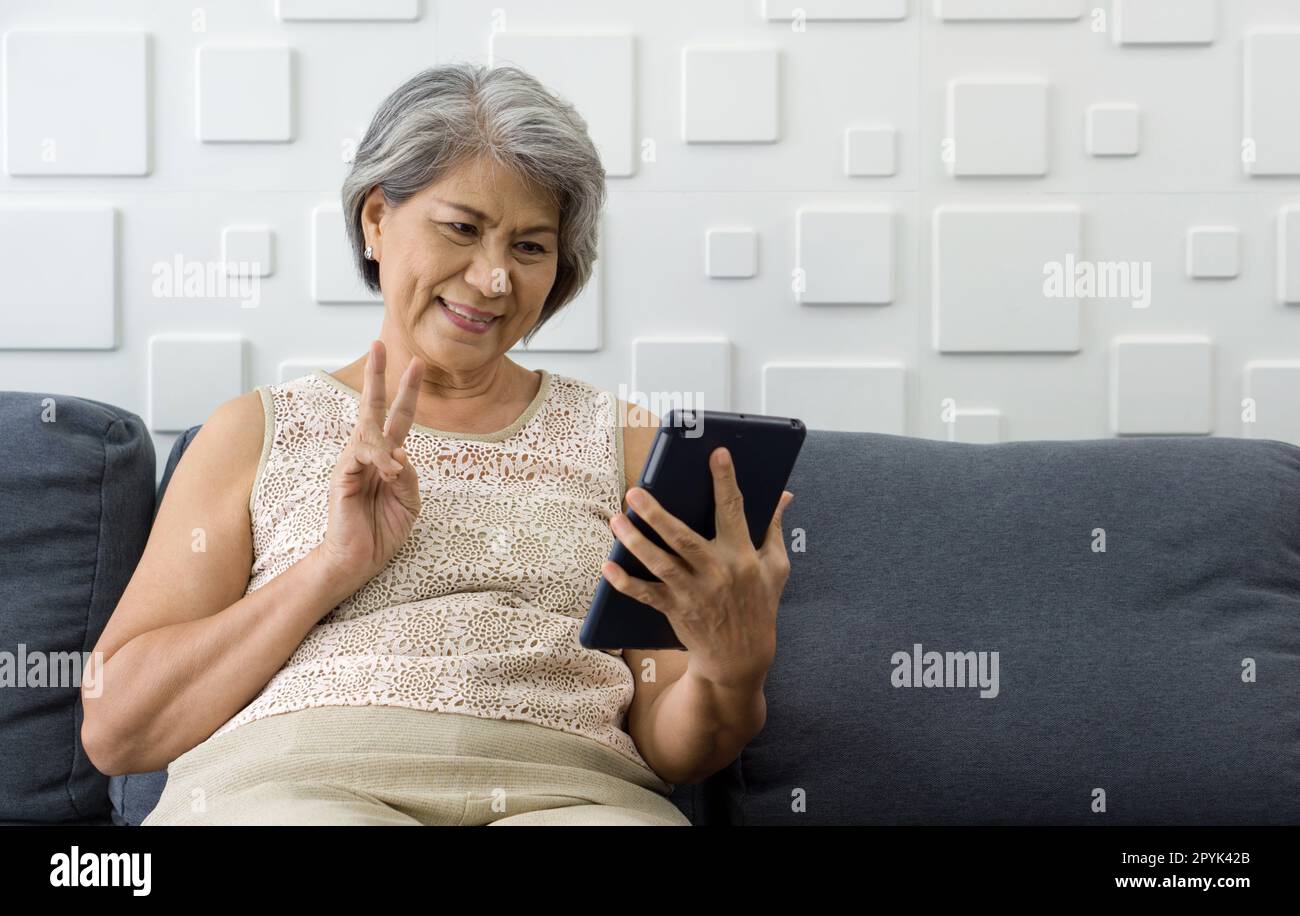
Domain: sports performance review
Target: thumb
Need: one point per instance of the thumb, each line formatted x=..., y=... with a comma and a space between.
x=774, y=536
x=786, y=498
x=407, y=485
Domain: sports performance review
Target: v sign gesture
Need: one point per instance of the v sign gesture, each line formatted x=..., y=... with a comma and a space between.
x=374, y=492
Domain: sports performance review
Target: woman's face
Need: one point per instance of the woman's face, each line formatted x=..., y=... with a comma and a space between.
x=480, y=239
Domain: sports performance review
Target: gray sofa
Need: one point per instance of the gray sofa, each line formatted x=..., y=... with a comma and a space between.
x=1155, y=681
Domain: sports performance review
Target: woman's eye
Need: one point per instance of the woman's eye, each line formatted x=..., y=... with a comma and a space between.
x=471, y=229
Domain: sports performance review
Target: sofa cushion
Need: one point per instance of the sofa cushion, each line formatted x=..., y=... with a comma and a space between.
x=1124, y=671
x=135, y=795
x=75, y=511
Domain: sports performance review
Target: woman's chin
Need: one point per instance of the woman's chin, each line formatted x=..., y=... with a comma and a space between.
x=453, y=351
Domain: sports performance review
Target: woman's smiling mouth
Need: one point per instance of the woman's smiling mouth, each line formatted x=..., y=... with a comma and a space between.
x=464, y=317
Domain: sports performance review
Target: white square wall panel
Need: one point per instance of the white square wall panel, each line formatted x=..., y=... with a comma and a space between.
x=730, y=94
x=76, y=103
x=958, y=10
x=334, y=276
x=248, y=250
x=845, y=257
x=1161, y=386
x=190, y=375
x=842, y=10
x=977, y=425
x=862, y=398
x=1271, y=130
x=1213, y=252
x=1113, y=130
x=245, y=93
x=990, y=283
x=349, y=10
x=1288, y=254
x=295, y=368
x=997, y=127
x=60, y=277
x=731, y=253
x=692, y=374
x=870, y=151
x=1164, y=22
x=595, y=71
x=1274, y=387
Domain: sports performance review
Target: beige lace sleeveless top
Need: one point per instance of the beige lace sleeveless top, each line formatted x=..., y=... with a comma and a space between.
x=479, y=610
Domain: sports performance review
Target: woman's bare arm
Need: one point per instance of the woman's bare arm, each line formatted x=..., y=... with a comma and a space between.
x=185, y=650
x=685, y=727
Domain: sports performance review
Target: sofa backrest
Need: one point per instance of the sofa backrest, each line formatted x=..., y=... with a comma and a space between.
x=1159, y=678
x=76, y=498
x=1142, y=596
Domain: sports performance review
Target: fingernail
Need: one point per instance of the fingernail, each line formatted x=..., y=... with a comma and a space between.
x=635, y=497
x=724, y=457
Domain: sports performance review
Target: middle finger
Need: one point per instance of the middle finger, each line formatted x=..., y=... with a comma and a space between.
x=402, y=414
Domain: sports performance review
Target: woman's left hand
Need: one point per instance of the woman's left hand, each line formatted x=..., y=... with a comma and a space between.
x=720, y=595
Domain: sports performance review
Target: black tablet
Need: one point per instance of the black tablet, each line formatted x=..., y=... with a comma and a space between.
x=677, y=474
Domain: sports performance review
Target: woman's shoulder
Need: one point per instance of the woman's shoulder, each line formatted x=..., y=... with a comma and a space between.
x=237, y=437
x=303, y=397
x=315, y=378
x=573, y=386
x=632, y=424
x=236, y=422
x=571, y=394
x=639, y=426
x=224, y=455
x=560, y=380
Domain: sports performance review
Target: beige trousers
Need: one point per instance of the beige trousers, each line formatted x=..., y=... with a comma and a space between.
x=394, y=765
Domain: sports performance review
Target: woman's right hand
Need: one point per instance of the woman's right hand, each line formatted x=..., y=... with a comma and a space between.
x=374, y=491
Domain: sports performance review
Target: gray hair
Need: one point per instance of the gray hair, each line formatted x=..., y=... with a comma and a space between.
x=448, y=115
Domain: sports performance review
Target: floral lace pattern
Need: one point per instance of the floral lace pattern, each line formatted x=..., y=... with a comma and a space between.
x=479, y=610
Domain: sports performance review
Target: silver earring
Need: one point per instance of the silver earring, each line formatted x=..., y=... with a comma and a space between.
x=370, y=253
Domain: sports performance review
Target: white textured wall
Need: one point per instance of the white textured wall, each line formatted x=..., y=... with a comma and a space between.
x=137, y=133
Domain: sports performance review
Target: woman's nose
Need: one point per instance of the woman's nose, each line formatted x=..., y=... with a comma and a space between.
x=489, y=276
x=488, y=272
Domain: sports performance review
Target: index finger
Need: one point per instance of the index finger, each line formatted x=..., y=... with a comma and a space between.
x=370, y=412
x=678, y=535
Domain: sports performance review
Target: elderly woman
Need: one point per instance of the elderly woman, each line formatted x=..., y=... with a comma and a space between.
x=360, y=610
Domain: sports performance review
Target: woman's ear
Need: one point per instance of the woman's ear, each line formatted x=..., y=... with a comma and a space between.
x=373, y=212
